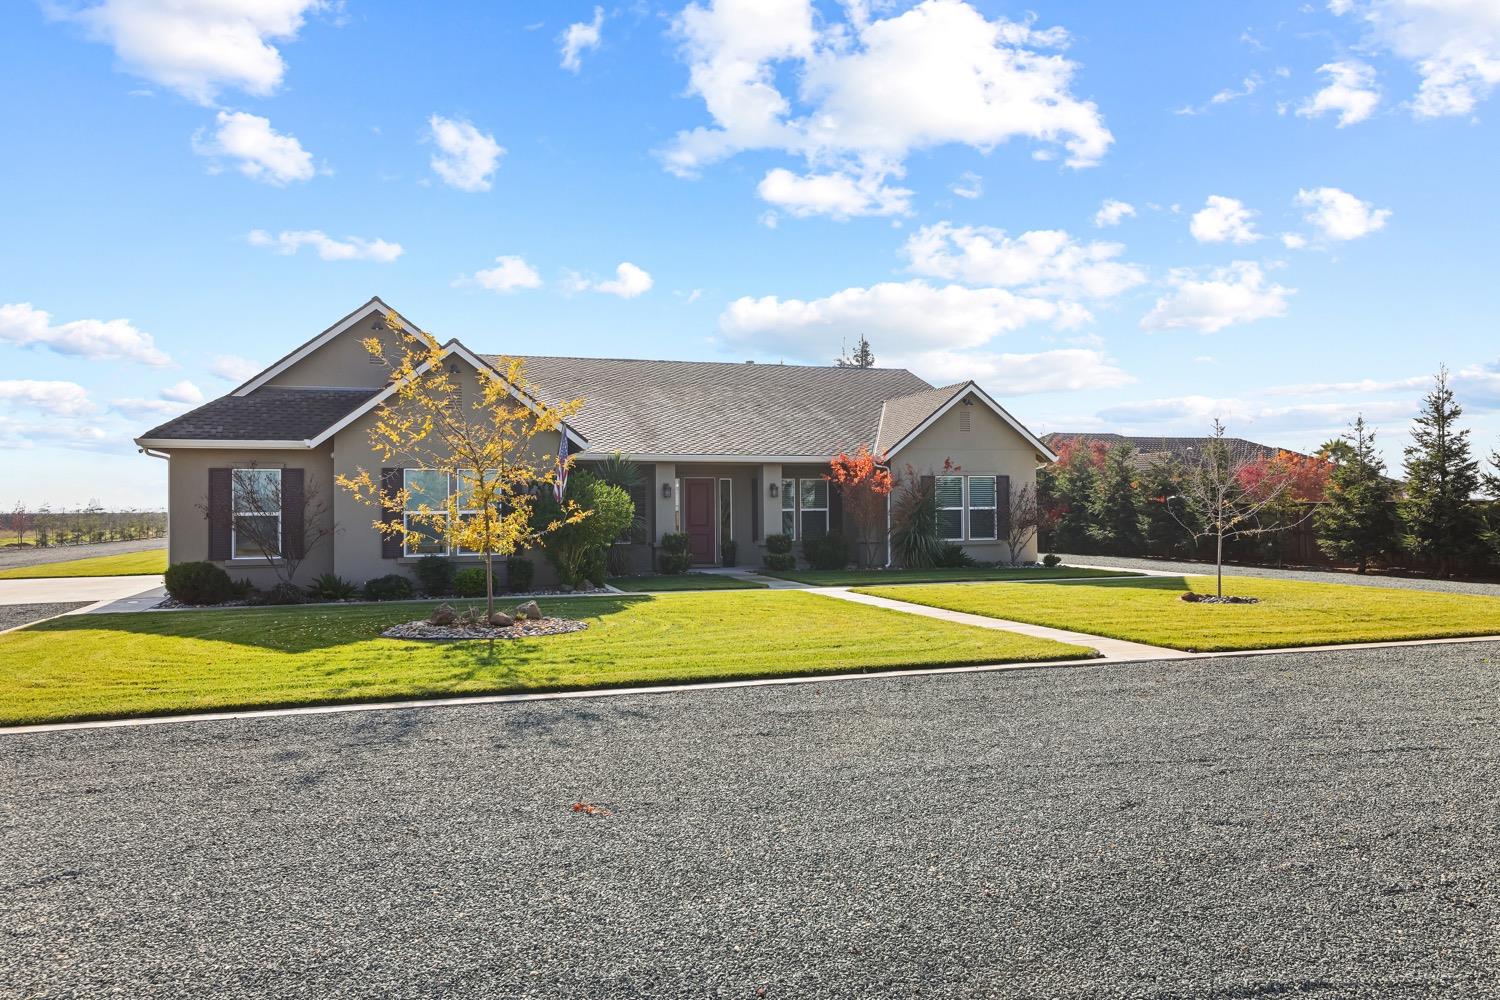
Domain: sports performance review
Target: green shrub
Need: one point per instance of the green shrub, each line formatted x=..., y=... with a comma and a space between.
x=780, y=561
x=676, y=553
x=914, y=534
x=435, y=574
x=830, y=551
x=332, y=587
x=780, y=545
x=469, y=582
x=284, y=593
x=579, y=551
x=391, y=587
x=199, y=583
x=953, y=556
x=519, y=573
x=1051, y=559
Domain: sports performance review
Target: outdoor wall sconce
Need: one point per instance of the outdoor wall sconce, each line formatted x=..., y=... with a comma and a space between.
x=775, y=492
x=666, y=491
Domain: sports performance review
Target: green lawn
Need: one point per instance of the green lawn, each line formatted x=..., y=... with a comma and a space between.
x=150, y=562
x=666, y=582
x=880, y=577
x=1290, y=613
x=100, y=666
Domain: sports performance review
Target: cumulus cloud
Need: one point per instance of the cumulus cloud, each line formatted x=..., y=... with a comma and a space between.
x=1064, y=370
x=1113, y=212
x=837, y=195
x=1454, y=46
x=23, y=324
x=510, y=274
x=288, y=242
x=579, y=38
x=466, y=158
x=62, y=399
x=1351, y=93
x=629, y=282
x=1339, y=215
x=261, y=153
x=233, y=368
x=196, y=47
x=871, y=90
x=1223, y=297
x=1223, y=219
x=1045, y=262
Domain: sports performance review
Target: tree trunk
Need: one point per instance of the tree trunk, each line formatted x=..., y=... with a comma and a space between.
x=1219, y=564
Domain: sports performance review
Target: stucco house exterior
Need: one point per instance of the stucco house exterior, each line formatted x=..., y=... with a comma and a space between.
x=729, y=451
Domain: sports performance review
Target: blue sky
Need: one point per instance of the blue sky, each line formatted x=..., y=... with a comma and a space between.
x=195, y=187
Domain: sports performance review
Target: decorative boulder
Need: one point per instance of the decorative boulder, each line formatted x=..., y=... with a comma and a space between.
x=441, y=615
x=566, y=588
x=529, y=610
x=501, y=620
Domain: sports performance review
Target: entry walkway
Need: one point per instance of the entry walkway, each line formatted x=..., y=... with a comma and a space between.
x=91, y=589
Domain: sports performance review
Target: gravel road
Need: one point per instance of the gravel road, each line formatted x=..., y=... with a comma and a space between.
x=66, y=553
x=1318, y=576
x=1321, y=824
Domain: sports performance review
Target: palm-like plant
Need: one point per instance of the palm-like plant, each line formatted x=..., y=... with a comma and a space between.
x=620, y=471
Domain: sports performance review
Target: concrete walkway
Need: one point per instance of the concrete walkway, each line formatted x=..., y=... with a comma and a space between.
x=1109, y=649
x=91, y=589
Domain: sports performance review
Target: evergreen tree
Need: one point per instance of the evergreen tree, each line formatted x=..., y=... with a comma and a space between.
x=863, y=357
x=1115, y=505
x=1438, y=517
x=1066, y=488
x=1356, y=520
x=1161, y=507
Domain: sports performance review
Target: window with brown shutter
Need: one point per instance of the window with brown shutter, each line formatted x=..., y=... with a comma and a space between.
x=390, y=485
x=219, y=517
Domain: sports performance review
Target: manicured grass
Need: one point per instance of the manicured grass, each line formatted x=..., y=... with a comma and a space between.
x=150, y=562
x=666, y=582
x=99, y=666
x=880, y=577
x=1290, y=613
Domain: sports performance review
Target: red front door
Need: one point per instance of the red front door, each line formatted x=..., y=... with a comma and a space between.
x=698, y=518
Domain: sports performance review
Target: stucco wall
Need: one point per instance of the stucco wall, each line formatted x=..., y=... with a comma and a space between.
x=343, y=362
x=187, y=499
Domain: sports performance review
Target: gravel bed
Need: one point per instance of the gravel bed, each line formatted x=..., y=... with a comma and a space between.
x=16, y=615
x=525, y=629
x=1316, y=576
x=66, y=553
x=1313, y=823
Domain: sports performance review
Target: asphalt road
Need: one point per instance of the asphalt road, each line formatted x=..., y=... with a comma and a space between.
x=10, y=557
x=1303, y=824
x=1486, y=588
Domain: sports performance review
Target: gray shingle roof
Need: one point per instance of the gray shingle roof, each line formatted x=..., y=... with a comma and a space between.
x=267, y=414
x=902, y=415
x=1181, y=448
x=719, y=408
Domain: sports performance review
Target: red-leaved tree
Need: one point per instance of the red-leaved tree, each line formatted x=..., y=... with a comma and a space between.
x=863, y=483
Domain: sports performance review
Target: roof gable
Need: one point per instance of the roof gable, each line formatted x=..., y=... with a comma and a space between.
x=962, y=391
x=375, y=310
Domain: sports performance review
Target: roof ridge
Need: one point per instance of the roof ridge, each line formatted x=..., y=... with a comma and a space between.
x=685, y=361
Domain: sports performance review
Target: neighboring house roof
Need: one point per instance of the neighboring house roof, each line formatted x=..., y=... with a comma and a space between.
x=1183, y=449
x=700, y=409
x=900, y=416
x=267, y=414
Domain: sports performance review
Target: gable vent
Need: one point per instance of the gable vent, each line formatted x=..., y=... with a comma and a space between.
x=963, y=420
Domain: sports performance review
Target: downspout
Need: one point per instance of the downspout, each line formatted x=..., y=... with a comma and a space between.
x=889, y=548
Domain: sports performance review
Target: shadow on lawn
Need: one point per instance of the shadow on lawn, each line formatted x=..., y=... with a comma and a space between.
x=314, y=627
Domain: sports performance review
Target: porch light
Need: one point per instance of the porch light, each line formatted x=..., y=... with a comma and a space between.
x=775, y=491
x=666, y=491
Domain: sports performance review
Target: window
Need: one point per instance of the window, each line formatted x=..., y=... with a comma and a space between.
x=464, y=483
x=789, y=508
x=637, y=532
x=812, y=495
x=726, y=511
x=425, y=488
x=255, y=496
x=982, y=507
x=950, y=508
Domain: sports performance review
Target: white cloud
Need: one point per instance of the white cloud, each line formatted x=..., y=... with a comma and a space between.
x=1247, y=87
x=196, y=47
x=95, y=339
x=466, y=157
x=183, y=392
x=1340, y=215
x=1113, y=212
x=579, y=38
x=1454, y=45
x=62, y=399
x=233, y=368
x=629, y=282
x=1238, y=293
x=871, y=90
x=1351, y=92
x=1042, y=262
x=969, y=185
x=263, y=154
x=510, y=273
x=837, y=195
x=1293, y=241
x=288, y=242
x=1222, y=219
x=1065, y=370
x=915, y=314
x=172, y=400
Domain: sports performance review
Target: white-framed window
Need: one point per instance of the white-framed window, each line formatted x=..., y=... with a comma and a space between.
x=950, y=507
x=789, y=508
x=427, y=488
x=255, y=501
x=464, y=483
x=812, y=498
x=983, y=505
x=726, y=511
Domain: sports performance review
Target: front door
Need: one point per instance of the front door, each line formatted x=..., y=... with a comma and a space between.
x=698, y=518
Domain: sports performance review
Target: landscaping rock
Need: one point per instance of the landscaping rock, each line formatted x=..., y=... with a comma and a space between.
x=529, y=610
x=501, y=620
x=1193, y=598
x=521, y=629
x=442, y=615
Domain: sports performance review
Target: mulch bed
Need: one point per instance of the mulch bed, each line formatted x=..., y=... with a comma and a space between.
x=525, y=629
x=1192, y=598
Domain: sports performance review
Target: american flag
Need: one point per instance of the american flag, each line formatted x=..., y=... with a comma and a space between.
x=562, y=465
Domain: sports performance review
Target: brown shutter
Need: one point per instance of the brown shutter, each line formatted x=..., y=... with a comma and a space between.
x=219, y=513
x=835, y=510
x=1002, y=507
x=390, y=485
x=293, y=512
x=754, y=509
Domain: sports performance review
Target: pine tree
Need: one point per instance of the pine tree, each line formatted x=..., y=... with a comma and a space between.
x=1115, y=506
x=1438, y=517
x=1356, y=520
x=1161, y=507
x=863, y=357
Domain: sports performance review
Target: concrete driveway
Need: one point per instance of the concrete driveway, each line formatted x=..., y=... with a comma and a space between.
x=75, y=595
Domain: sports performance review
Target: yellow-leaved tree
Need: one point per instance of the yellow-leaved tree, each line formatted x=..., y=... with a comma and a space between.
x=482, y=456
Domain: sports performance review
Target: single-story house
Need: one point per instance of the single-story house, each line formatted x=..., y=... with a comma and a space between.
x=729, y=451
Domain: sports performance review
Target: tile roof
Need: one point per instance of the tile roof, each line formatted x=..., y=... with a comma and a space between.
x=720, y=408
x=900, y=416
x=267, y=414
x=1180, y=448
